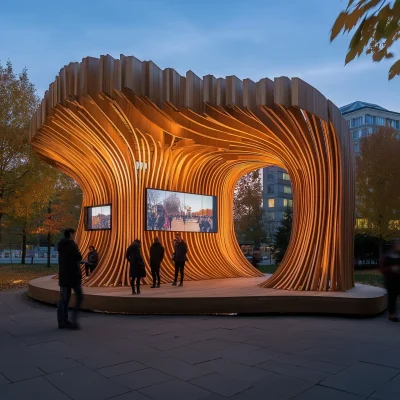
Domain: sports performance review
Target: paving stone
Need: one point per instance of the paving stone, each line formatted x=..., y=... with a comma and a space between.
x=179, y=369
x=121, y=369
x=220, y=384
x=333, y=356
x=105, y=358
x=32, y=389
x=84, y=384
x=193, y=356
x=212, y=344
x=142, y=378
x=274, y=387
x=388, y=358
x=320, y=366
x=361, y=378
x=3, y=380
x=52, y=349
x=18, y=369
x=389, y=391
x=232, y=369
x=50, y=365
x=293, y=371
x=134, y=395
x=176, y=390
x=319, y=392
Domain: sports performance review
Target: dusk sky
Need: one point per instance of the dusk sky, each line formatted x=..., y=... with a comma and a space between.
x=247, y=38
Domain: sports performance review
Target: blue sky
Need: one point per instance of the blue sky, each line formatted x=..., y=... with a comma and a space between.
x=247, y=38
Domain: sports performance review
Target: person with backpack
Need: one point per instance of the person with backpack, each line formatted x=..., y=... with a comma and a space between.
x=156, y=258
x=69, y=278
x=137, y=269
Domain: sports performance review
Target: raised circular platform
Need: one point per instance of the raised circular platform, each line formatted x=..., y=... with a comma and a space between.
x=219, y=296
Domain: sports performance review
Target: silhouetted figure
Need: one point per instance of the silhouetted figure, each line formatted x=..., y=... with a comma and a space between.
x=180, y=258
x=137, y=268
x=69, y=278
x=92, y=260
x=156, y=257
x=390, y=265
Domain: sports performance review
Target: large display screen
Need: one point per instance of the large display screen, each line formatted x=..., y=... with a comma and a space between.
x=98, y=217
x=180, y=212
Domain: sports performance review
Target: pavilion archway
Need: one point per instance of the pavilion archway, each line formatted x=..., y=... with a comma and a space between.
x=102, y=118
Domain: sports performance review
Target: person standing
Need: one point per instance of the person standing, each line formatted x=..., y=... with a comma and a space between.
x=180, y=258
x=156, y=257
x=137, y=269
x=390, y=265
x=69, y=278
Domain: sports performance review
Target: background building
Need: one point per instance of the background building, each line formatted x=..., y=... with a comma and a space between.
x=363, y=118
x=277, y=197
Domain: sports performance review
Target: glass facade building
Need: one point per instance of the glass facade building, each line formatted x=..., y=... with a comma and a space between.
x=363, y=118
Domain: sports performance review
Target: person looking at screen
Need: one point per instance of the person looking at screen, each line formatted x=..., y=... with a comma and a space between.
x=92, y=261
x=156, y=258
x=180, y=258
x=137, y=269
x=69, y=278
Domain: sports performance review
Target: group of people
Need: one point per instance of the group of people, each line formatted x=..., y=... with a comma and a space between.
x=162, y=221
x=70, y=275
x=137, y=269
x=70, y=261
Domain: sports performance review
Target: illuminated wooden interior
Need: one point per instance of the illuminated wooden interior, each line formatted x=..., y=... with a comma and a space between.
x=102, y=116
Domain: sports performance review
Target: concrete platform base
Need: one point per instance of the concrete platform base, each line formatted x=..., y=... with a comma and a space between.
x=219, y=296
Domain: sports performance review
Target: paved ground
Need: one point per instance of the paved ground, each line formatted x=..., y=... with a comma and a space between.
x=191, y=358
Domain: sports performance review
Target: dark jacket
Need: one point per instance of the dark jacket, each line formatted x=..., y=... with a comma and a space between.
x=93, y=257
x=156, y=254
x=134, y=256
x=69, y=273
x=181, y=250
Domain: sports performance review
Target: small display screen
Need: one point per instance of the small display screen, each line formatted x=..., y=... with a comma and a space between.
x=98, y=217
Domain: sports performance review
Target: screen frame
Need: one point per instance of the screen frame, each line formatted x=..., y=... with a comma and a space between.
x=215, y=202
x=86, y=208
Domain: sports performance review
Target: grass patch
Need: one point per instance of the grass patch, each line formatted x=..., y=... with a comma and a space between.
x=371, y=277
x=17, y=276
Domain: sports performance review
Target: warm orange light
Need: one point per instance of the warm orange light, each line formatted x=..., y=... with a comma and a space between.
x=102, y=118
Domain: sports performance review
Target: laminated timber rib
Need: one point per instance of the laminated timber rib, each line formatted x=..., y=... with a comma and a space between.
x=103, y=119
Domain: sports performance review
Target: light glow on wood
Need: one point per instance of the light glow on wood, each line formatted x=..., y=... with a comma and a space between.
x=102, y=118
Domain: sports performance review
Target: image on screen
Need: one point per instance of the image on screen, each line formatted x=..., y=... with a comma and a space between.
x=180, y=212
x=98, y=217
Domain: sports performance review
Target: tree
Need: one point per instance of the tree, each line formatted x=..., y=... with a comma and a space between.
x=377, y=28
x=153, y=198
x=62, y=209
x=18, y=101
x=378, y=183
x=282, y=235
x=247, y=210
x=172, y=204
x=29, y=199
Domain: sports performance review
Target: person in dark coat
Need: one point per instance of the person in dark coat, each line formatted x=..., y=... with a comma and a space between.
x=69, y=278
x=180, y=258
x=92, y=260
x=390, y=265
x=156, y=257
x=137, y=267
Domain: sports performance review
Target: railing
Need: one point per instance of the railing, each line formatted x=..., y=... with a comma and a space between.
x=12, y=254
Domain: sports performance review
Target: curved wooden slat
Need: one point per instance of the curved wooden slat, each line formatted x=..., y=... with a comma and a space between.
x=102, y=116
